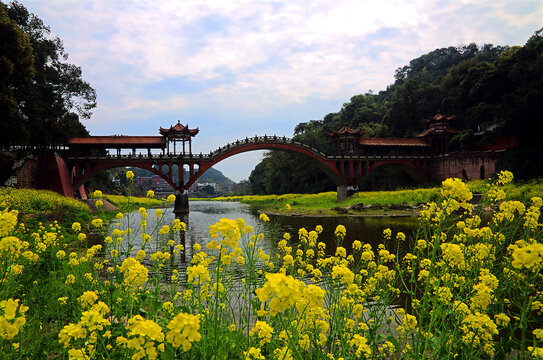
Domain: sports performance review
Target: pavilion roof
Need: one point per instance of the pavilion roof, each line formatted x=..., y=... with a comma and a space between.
x=118, y=141
x=438, y=118
x=438, y=125
x=345, y=131
x=438, y=130
x=179, y=129
x=413, y=142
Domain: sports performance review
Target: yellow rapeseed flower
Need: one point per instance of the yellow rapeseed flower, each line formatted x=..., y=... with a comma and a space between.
x=184, y=330
x=10, y=324
x=281, y=291
x=263, y=331
x=76, y=226
x=135, y=274
x=340, y=231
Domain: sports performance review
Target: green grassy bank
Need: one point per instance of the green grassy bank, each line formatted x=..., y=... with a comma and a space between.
x=326, y=203
x=43, y=204
x=125, y=203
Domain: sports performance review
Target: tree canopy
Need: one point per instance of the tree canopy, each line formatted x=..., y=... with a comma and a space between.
x=42, y=97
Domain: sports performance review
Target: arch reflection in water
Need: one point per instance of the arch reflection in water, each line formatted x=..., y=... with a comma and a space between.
x=204, y=213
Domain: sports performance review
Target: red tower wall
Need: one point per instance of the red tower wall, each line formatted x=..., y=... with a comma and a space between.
x=54, y=175
x=463, y=166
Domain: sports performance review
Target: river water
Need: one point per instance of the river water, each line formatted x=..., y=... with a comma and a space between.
x=366, y=229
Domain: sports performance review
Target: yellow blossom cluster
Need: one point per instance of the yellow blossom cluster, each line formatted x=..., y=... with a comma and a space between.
x=135, y=274
x=183, y=331
x=12, y=318
x=8, y=221
x=83, y=337
x=145, y=337
x=280, y=291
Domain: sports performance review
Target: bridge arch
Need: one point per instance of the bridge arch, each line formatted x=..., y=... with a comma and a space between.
x=268, y=143
x=81, y=172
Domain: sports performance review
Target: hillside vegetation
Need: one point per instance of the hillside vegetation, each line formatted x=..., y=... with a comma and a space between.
x=486, y=87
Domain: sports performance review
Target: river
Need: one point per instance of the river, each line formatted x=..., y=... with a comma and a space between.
x=366, y=229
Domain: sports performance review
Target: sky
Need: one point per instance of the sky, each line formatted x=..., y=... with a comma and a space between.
x=243, y=68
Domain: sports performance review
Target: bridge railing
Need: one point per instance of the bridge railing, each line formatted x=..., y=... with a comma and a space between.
x=272, y=139
x=214, y=154
x=146, y=157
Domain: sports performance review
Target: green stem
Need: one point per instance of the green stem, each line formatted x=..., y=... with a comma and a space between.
x=290, y=341
x=216, y=305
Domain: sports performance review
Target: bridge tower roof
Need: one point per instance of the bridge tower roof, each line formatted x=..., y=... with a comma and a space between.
x=345, y=131
x=438, y=125
x=179, y=131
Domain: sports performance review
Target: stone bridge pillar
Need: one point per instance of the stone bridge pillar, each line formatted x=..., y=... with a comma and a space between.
x=181, y=205
x=341, y=192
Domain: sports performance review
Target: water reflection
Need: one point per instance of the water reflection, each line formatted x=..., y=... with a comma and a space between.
x=205, y=213
x=365, y=229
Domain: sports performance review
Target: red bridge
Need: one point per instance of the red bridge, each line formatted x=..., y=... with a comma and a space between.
x=425, y=156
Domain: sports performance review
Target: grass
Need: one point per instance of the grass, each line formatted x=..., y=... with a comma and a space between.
x=29, y=201
x=324, y=203
x=125, y=203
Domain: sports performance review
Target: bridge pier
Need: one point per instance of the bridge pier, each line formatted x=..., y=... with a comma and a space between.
x=341, y=192
x=181, y=205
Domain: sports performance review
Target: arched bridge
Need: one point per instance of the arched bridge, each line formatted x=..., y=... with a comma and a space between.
x=425, y=155
x=345, y=170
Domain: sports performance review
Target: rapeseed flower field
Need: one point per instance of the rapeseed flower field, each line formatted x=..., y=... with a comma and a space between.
x=28, y=201
x=457, y=288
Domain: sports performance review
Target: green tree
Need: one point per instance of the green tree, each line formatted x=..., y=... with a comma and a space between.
x=50, y=106
x=16, y=71
x=521, y=71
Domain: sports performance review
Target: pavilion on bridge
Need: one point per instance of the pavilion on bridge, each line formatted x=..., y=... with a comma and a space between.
x=432, y=141
x=98, y=145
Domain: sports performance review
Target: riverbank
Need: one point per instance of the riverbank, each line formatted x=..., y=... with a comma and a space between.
x=43, y=205
x=42, y=208
x=373, y=203
x=314, y=294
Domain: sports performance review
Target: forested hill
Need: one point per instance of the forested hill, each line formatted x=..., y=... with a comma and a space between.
x=500, y=86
